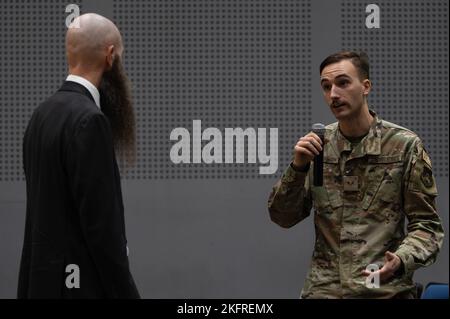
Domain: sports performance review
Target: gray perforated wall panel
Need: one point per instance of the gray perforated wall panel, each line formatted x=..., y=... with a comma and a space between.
x=202, y=230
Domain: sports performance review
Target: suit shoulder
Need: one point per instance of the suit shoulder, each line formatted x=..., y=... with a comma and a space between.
x=68, y=103
x=73, y=110
x=76, y=100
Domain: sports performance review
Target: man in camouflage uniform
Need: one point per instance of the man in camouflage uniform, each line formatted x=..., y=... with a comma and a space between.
x=375, y=174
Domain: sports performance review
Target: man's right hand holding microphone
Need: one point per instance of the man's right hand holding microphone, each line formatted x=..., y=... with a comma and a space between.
x=308, y=148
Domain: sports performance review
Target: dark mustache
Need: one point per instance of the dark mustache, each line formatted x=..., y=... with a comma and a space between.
x=336, y=103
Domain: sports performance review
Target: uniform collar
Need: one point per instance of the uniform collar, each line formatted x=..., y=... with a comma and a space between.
x=370, y=144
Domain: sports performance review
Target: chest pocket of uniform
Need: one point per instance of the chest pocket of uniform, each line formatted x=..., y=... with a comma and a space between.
x=385, y=174
x=327, y=197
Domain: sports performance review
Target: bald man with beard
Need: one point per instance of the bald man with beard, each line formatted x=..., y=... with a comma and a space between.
x=75, y=244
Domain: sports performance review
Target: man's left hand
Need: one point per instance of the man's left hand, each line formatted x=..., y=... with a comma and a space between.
x=391, y=264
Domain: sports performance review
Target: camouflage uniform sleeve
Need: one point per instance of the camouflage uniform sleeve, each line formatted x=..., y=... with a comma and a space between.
x=425, y=233
x=290, y=200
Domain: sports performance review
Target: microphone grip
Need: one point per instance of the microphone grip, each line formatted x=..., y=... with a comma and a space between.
x=318, y=169
x=319, y=129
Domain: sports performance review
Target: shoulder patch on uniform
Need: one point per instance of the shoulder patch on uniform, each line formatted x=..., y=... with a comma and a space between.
x=426, y=176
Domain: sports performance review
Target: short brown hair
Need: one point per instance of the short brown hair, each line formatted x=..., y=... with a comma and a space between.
x=359, y=60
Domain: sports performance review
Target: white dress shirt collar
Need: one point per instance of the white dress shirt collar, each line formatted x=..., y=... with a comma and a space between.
x=88, y=85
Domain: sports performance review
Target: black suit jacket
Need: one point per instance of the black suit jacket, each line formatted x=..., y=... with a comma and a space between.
x=75, y=213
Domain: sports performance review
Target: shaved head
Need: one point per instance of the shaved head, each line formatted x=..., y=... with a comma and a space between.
x=89, y=39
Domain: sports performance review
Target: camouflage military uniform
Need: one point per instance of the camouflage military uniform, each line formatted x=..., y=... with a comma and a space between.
x=360, y=211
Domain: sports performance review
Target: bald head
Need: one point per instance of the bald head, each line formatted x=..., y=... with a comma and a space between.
x=92, y=44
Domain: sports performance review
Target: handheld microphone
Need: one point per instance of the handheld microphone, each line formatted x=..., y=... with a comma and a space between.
x=319, y=129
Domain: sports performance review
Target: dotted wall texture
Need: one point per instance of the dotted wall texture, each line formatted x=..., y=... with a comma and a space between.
x=409, y=67
x=32, y=67
x=227, y=63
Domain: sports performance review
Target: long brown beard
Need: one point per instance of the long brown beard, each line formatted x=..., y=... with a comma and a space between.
x=116, y=104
